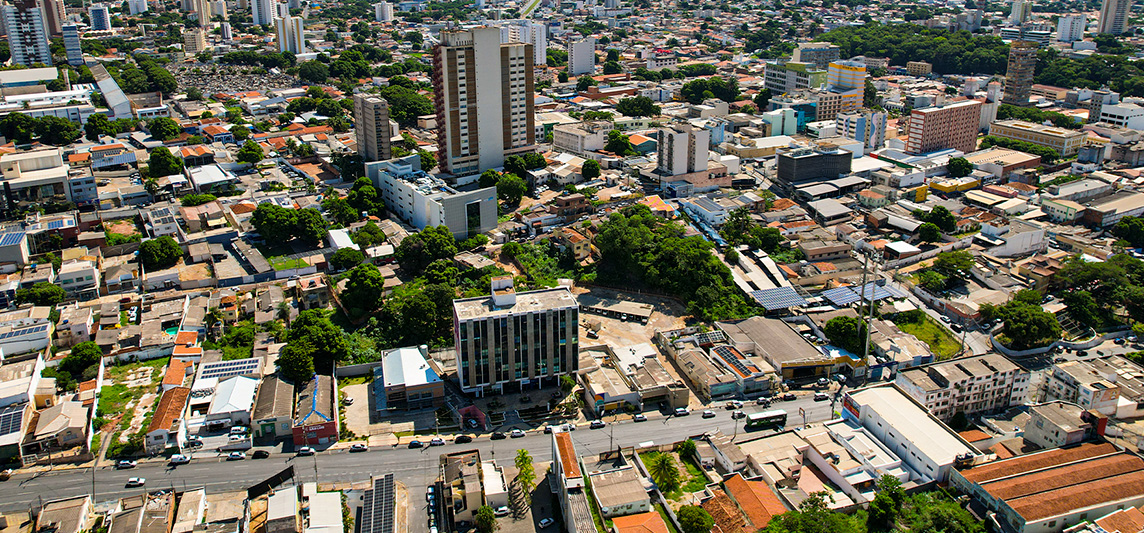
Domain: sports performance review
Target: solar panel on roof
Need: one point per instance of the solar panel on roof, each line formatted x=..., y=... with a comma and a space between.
x=778, y=298
x=55, y=224
x=11, y=421
x=378, y=507
x=8, y=239
x=843, y=296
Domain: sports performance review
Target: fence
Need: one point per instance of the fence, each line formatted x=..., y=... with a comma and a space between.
x=1083, y=345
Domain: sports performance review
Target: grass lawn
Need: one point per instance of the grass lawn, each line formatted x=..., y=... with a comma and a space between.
x=286, y=263
x=356, y=380
x=694, y=481
x=939, y=339
x=601, y=525
x=666, y=519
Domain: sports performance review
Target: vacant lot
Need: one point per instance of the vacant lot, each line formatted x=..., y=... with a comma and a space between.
x=940, y=340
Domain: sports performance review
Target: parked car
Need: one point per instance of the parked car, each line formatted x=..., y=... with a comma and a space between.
x=682, y=411
x=789, y=397
x=548, y=428
x=239, y=430
x=429, y=492
x=546, y=522
x=821, y=396
x=462, y=439
x=592, y=334
x=179, y=459
x=472, y=422
x=733, y=404
x=437, y=441
x=596, y=424
x=305, y=450
x=260, y=454
x=707, y=413
x=5, y=474
x=516, y=433
x=135, y=482
x=737, y=414
x=763, y=401
x=501, y=511
x=639, y=417
x=568, y=427
x=125, y=463
x=348, y=401
x=415, y=444
x=359, y=447
x=236, y=456
x=497, y=435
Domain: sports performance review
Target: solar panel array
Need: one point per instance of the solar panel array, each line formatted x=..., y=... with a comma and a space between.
x=9, y=239
x=11, y=420
x=225, y=369
x=55, y=224
x=377, y=509
x=843, y=296
x=728, y=354
x=22, y=332
x=778, y=298
x=710, y=337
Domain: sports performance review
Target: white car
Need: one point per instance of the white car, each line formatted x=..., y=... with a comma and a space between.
x=546, y=522
x=501, y=511
x=135, y=482
x=708, y=414
x=682, y=411
x=639, y=418
x=359, y=447
x=516, y=433
x=179, y=459
x=125, y=463
x=236, y=456
x=305, y=451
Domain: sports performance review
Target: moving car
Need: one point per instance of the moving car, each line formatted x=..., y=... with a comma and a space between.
x=236, y=456
x=596, y=424
x=737, y=414
x=516, y=433
x=821, y=396
x=462, y=439
x=415, y=444
x=135, y=482
x=734, y=404
x=682, y=411
x=5, y=474
x=437, y=441
x=708, y=414
x=305, y=451
x=125, y=463
x=497, y=435
x=789, y=397
x=260, y=454
x=763, y=401
x=179, y=459
x=639, y=418
x=358, y=447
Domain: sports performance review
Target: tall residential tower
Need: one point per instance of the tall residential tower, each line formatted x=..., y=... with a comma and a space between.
x=373, y=128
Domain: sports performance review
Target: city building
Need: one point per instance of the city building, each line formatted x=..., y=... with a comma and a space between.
x=805, y=164
x=942, y=127
x=406, y=381
x=425, y=200
x=316, y=412
x=194, y=41
x=1054, y=489
x=527, y=31
x=137, y=6
x=981, y=384
x=682, y=151
x=290, y=37
x=788, y=353
x=919, y=68
x=483, y=93
x=54, y=16
x=1058, y=423
x=1071, y=28
x=1114, y=16
x=373, y=128
x=1066, y=142
x=225, y=31
x=581, y=56
x=926, y=446
x=100, y=17
x=1020, y=12
x=202, y=11
x=72, y=45
x=1125, y=115
x=510, y=340
x=569, y=480
x=273, y=408
x=820, y=54
x=383, y=12
x=1090, y=385
x=1019, y=74
x=793, y=76
x=34, y=177
x=27, y=32
x=262, y=11
x=866, y=127
x=581, y=137
x=167, y=427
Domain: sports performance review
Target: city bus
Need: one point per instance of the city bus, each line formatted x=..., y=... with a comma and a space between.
x=766, y=419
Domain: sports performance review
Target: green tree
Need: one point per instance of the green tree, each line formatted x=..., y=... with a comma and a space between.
x=82, y=356
x=590, y=169
x=933, y=280
x=346, y=258
x=486, y=519
x=929, y=232
x=619, y=144
x=369, y=235
x=364, y=288
x=514, y=164
x=339, y=210
x=954, y=263
x=663, y=472
x=941, y=217
x=613, y=67
x=296, y=362
x=959, y=167
x=533, y=161
x=526, y=475
x=419, y=249
x=56, y=131
x=97, y=125
x=1082, y=307
x=250, y=153
x=847, y=332
x=163, y=128
x=274, y=223
x=441, y=271
x=313, y=72
x=567, y=384
x=326, y=342
x=18, y=127
x=813, y=516
x=637, y=106
x=1130, y=229
x=428, y=160
x=161, y=162
x=694, y=519
x=192, y=200
x=159, y=253
x=511, y=189
x=685, y=448
x=310, y=226
x=583, y=82
x=42, y=293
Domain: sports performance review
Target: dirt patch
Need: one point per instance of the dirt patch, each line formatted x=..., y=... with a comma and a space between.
x=401, y=508
x=139, y=413
x=122, y=227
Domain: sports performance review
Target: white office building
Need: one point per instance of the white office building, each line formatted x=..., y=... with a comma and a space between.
x=288, y=31
x=423, y=200
x=72, y=45
x=100, y=17
x=1070, y=28
x=682, y=149
x=581, y=56
x=262, y=11
x=383, y=12
x=27, y=33
x=137, y=6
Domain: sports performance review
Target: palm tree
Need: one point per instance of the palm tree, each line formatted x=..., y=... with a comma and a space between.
x=663, y=471
x=152, y=186
x=284, y=312
x=214, y=317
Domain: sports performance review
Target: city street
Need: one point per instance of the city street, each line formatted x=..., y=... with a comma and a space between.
x=416, y=468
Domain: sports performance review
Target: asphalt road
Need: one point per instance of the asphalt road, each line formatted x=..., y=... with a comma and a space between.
x=416, y=468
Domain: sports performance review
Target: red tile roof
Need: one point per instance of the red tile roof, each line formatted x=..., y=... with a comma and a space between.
x=1129, y=520
x=755, y=498
x=170, y=408
x=649, y=522
x=186, y=337
x=567, y=455
x=176, y=372
x=1036, y=461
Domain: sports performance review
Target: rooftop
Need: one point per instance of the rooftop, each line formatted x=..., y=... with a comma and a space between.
x=772, y=339
x=408, y=367
x=913, y=423
x=526, y=302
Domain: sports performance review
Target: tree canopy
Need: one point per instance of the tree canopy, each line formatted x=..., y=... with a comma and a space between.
x=430, y=244
x=159, y=253
x=637, y=106
x=847, y=332
x=313, y=344
x=42, y=293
